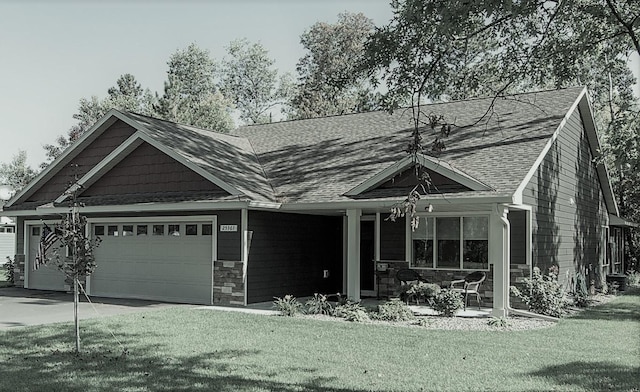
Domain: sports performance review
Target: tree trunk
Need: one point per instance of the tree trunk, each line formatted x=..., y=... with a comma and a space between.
x=75, y=313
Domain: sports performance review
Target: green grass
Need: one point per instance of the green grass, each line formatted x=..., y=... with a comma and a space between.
x=188, y=349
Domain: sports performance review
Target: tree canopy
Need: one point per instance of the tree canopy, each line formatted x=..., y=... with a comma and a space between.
x=17, y=173
x=330, y=80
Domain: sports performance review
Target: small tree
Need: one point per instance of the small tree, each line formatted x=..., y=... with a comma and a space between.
x=78, y=260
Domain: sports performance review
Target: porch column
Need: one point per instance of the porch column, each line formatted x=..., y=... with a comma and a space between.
x=353, y=254
x=499, y=250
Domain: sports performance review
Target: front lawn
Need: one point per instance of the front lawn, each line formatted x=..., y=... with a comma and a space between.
x=188, y=349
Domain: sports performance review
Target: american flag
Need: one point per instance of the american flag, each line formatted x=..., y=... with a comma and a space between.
x=47, y=239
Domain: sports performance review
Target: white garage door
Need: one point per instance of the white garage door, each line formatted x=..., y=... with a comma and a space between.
x=47, y=277
x=167, y=261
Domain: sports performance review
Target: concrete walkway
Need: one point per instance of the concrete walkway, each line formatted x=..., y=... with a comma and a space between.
x=23, y=307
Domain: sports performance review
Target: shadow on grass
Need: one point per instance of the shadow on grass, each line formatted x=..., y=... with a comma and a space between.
x=624, y=308
x=37, y=359
x=592, y=376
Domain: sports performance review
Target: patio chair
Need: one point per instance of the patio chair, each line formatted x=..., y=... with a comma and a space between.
x=408, y=277
x=470, y=285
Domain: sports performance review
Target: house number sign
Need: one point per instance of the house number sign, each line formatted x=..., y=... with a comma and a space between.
x=228, y=227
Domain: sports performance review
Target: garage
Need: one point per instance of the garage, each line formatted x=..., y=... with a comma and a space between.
x=166, y=260
x=47, y=277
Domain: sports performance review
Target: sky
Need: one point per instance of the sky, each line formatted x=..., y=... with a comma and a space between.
x=52, y=53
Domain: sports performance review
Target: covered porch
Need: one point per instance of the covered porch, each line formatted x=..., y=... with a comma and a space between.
x=449, y=243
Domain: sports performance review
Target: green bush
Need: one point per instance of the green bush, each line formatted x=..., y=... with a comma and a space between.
x=448, y=302
x=498, y=322
x=420, y=291
x=351, y=311
x=633, y=278
x=394, y=310
x=543, y=294
x=287, y=306
x=8, y=272
x=319, y=305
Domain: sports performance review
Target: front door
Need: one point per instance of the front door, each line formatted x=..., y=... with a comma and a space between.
x=367, y=259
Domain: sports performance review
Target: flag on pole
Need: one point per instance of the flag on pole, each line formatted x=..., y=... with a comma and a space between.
x=47, y=239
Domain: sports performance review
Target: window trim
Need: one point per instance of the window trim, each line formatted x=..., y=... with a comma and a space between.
x=433, y=216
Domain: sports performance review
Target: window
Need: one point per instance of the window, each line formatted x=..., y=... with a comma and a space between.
x=158, y=229
x=451, y=243
x=207, y=229
x=98, y=230
x=422, y=239
x=448, y=240
x=127, y=230
x=141, y=230
x=7, y=229
x=475, y=233
x=191, y=230
x=174, y=230
x=35, y=231
x=112, y=230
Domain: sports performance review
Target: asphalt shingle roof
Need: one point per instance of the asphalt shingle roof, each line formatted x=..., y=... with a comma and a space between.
x=318, y=160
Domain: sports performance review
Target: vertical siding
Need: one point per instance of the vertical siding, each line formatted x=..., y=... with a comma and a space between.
x=229, y=242
x=568, y=205
x=288, y=253
x=392, y=240
x=149, y=170
x=518, y=223
x=86, y=160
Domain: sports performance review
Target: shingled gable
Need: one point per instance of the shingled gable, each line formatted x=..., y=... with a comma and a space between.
x=223, y=160
x=434, y=165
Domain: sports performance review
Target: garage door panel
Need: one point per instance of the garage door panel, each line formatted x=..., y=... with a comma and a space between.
x=46, y=277
x=162, y=267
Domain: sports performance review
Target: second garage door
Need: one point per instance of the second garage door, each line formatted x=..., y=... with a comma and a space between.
x=166, y=261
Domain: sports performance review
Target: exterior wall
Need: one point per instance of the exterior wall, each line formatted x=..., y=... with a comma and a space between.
x=86, y=160
x=392, y=240
x=518, y=237
x=19, y=258
x=148, y=170
x=228, y=286
x=568, y=206
x=289, y=252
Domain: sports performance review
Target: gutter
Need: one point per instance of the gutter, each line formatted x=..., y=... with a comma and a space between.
x=507, y=251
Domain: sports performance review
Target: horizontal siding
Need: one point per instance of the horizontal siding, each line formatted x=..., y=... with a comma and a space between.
x=85, y=161
x=288, y=253
x=518, y=225
x=148, y=170
x=568, y=205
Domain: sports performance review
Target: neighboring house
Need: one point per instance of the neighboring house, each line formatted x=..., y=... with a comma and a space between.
x=7, y=229
x=298, y=207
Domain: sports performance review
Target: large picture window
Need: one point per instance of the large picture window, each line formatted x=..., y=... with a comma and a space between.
x=451, y=243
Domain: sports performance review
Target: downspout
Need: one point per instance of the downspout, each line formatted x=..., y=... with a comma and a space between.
x=507, y=255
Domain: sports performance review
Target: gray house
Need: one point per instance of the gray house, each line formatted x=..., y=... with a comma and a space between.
x=298, y=207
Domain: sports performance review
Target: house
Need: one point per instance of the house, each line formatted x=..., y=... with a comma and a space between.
x=298, y=207
x=7, y=229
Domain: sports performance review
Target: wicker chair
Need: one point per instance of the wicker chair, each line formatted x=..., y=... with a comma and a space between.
x=470, y=285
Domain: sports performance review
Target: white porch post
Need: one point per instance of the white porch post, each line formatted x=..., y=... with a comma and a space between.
x=353, y=254
x=499, y=255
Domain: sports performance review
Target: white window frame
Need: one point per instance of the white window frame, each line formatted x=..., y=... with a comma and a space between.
x=433, y=216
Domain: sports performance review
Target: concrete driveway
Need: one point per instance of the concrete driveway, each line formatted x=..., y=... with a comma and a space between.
x=21, y=307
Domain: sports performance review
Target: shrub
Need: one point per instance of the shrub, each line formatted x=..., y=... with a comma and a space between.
x=351, y=311
x=580, y=292
x=420, y=291
x=319, y=305
x=633, y=278
x=8, y=273
x=542, y=294
x=287, y=306
x=394, y=310
x=498, y=322
x=448, y=302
